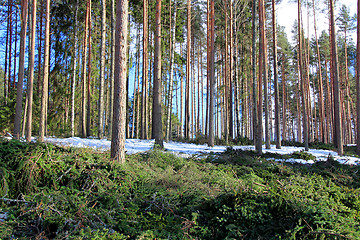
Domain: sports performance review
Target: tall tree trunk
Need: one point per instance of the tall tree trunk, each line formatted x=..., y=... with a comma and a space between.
x=172, y=43
x=112, y=65
x=31, y=73
x=84, y=60
x=6, y=55
x=19, y=92
x=187, y=91
x=265, y=75
x=157, y=111
x=337, y=106
x=88, y=105
x=302, y=79
x=145, y=71
x=262, y=61
x=358, y=80
x=276, y=84
x=102, y=70
x=255, y=110
x=321, y=90
x=211, y=139
x=45, y=90
x=73, y=84
x=120, y=76
x=11, y=41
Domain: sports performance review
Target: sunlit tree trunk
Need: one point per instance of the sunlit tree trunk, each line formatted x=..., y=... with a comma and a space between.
x=112, y=65
x=145, y=71
x=89, y=76
x=84, y=60
x=102, y=70
x=19, y=92
x=73, y=84
x=30, y=83
x=45, y=90
x=211, y=139
x=255, y=109
x=120, y=76
x=187, y=85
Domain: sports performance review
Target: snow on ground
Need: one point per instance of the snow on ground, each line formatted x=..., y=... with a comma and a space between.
x=187, y=149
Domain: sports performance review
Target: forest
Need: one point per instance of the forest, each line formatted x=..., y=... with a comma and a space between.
x=221, y=72
x=194, y=70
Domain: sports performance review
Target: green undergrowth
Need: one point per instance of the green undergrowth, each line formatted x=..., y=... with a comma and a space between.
x=50, y=192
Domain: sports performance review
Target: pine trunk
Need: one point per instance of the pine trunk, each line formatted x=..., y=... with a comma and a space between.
x=157, y=111
x=102, y=70
x=19, y=92
x=120, y=76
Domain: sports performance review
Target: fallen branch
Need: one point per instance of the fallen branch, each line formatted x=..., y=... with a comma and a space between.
x=14, y=200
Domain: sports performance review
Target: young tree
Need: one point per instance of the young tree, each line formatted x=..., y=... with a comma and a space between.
x=157, y=111
x=120, y=76
x=19, y=92
x=31, y=73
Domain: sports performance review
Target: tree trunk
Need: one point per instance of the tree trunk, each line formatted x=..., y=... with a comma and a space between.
x=84, y=60
x=255, y=110
x=102, y=70
x=187, y=85
x=211, y=139
x=19, y=92
x=302, y=80
x=337, y=106
x=31, y=73
x=112, y=65
x=358, y=80
x=120, y=76
x=276, y=84
x=157, y=111
x=168, y=122
x=73, y=84
x=145, y=71
x=88, y=105
x=45, y=90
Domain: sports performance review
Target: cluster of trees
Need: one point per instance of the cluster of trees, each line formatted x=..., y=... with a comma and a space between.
x=179, y=68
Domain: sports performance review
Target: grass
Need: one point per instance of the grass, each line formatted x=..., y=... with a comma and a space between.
x=50, y=192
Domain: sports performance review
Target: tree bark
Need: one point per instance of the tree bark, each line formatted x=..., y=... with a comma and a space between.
x=19, y=92
x=276, y=84
x=168, y=122
x=187, y=85
x=255, y=110
x=337, y=106
x=73, y=84
x=120, y=76
x=45, y=90
x=88, y=105
x=358, y=80
x=31, y=73
x=211, y=139
x=157, y=111
x=84, y=60
x=102, y=70
x=145, y=71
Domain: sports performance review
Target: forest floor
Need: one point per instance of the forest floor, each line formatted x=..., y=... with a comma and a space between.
x=49, y=191
x=188, y=149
